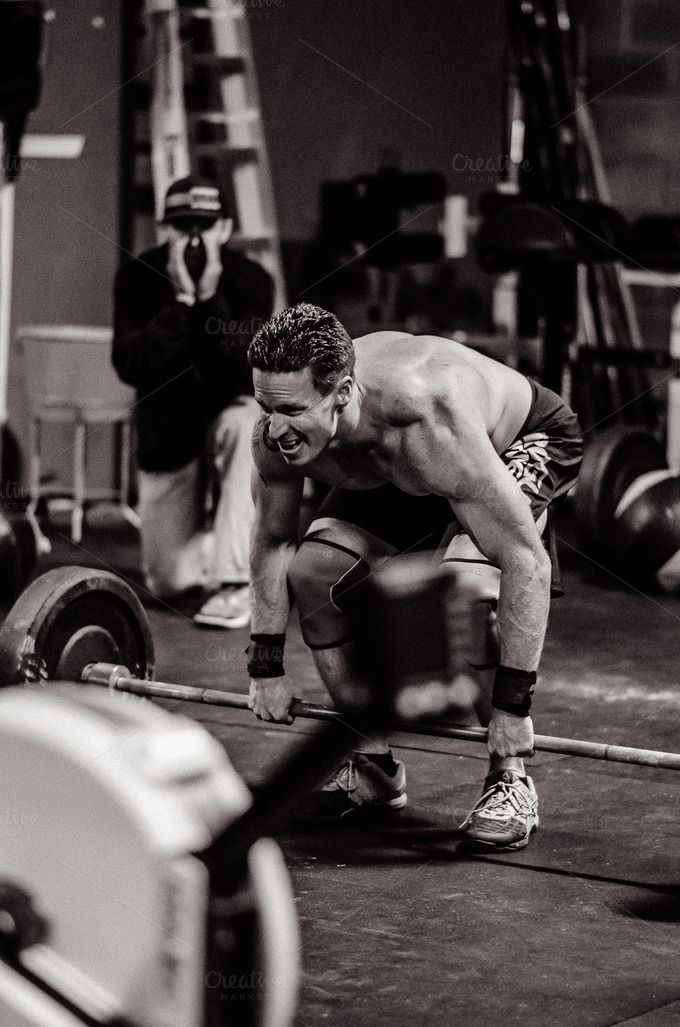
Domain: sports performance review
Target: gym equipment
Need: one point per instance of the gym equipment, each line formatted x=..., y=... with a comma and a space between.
x=406, y=603
x=648, y=530
x=627, y=508
x=113, y=909
x=115, y=678
x=552, y=219
x=552, y=224
x=68, y=617
x=366, y=212
x=613, y=460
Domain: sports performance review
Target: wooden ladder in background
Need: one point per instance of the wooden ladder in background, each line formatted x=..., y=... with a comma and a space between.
x=193, y=105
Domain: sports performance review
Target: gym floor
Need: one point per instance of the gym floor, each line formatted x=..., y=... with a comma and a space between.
x=580, y=928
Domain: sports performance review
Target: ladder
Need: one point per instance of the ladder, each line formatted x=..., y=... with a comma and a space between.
x=204, y=117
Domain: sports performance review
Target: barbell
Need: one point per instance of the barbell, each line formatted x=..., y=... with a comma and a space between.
x=118, y=679
x=88, y=626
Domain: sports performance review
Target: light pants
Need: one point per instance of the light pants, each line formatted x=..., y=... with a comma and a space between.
x=176, y=553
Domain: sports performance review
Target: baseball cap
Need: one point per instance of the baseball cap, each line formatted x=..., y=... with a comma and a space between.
x=194, y=197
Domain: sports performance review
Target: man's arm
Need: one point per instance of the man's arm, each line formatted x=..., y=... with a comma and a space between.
x=273, y=545
x=147, y=351
x=277, y=499
x=496, y=514
x=493, y=510
x=228, y=319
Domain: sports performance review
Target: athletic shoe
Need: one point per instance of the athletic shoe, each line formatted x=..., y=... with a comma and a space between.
x=505, y=816
x=228, y=608
x=359, y=786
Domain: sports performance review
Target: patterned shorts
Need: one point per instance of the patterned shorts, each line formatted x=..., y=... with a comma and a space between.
x=545, y=459
x=546, y=455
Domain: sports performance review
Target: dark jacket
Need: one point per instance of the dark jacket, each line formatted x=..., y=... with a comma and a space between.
x=186, y=363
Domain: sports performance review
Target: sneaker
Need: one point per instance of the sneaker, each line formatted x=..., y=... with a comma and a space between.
x=228, y=608
x=359, y=785
x=506, y=814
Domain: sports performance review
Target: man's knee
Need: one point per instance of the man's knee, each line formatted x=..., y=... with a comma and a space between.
x=325, y=578
x=474, y=574
x=471, y=616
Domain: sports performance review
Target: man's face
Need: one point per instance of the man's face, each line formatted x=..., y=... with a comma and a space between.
x=299, y=420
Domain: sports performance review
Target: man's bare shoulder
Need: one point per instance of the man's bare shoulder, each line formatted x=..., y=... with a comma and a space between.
x=414, y=372
x=375, y=338
x=427, y=376
x=398, y=353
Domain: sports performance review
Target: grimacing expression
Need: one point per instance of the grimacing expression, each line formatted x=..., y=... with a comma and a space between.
x=299, y=420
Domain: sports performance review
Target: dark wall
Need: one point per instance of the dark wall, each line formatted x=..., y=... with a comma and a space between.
x=343, y=80
x=67, y=210
x=633, y=79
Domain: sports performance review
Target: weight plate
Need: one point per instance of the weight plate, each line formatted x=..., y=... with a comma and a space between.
x=613, y=459
x=69, y=617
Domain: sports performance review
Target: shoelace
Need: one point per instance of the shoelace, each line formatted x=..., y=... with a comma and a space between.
x=346, y=777
x=504, y=794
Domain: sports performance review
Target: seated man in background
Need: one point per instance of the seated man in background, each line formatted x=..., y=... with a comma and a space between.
x=185, y=313
x=421, y=439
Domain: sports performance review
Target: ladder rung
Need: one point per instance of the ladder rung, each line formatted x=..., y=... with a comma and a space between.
x=219, y=130
x=219, y=63
x=212, y=14
x=203, y=88
x=247, y=116
x=251, y=242
x=233, y=154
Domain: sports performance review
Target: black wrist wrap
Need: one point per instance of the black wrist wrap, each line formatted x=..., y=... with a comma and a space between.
x=265, y=656
x=513, y=690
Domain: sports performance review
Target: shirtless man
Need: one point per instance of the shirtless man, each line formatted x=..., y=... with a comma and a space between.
x=420, y=438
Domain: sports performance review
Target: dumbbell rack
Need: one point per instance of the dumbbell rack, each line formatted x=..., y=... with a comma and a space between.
x=571, y=268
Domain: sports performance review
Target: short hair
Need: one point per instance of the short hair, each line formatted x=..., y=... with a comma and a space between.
x=304, y=336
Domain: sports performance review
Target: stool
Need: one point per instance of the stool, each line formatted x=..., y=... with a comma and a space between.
x=69, y=379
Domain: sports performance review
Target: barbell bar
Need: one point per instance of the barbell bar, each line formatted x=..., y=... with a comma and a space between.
x=78, y=624
x=118, y=679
